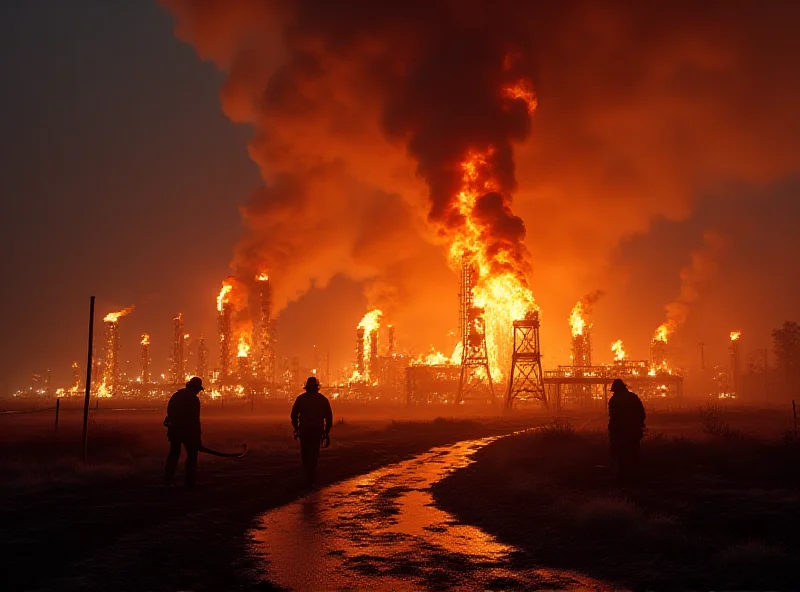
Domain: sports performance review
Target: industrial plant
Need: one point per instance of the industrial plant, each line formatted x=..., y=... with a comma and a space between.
x=248, y=367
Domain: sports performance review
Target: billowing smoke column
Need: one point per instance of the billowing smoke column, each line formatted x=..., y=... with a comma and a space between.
x=447, y=83
x=702, y=265
x=582, y=329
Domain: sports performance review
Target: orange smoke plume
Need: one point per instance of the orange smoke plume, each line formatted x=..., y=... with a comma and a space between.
x=702, y=266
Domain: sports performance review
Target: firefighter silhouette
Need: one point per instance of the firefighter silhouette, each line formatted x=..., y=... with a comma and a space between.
x=312, y=419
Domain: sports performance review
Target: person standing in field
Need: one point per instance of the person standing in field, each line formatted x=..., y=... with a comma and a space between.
x=626, y=417
x=183, y=429
x=312, y=419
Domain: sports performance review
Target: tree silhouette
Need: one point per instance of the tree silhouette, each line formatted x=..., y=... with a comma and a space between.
x=786, y=342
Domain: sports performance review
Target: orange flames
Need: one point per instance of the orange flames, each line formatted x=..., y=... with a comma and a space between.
x=437, y=358
x=244, y=347
x=145, y=339
x=663, y=332
x=224, y=293
x=522, y=90
x=113, y=317
x=370, y=324
x=577, y=319
x=735, y=335
x=501, y=289
x=262, y=277
x=619, y=351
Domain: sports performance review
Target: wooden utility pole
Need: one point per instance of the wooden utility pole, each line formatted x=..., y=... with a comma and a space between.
x=88, y=380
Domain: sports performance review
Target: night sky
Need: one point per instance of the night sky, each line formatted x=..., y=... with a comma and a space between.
x=122, y=178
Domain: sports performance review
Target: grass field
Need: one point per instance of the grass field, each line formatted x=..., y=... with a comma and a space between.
x=716, y=504
x=110, y=525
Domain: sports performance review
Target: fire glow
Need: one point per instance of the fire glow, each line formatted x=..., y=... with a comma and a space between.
x=113, y=317
x=619, y=351
x=501, y=290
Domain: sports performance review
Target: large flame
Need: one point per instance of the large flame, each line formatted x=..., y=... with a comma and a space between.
x=145, y=339
x=370, y=324
x=501, y=289
x=663, y=332
x=244, y=347
x=437, y=358
x=262, y=277
x=577, y=319
x=735, y=335
x=113, y=317
x=222, y=299
x=619, y=351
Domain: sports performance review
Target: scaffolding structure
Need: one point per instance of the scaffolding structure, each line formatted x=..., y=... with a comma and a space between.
x=659, y=354
x=177, y=374
x=588, y=386
x=111, y=374
x=144, y=374
x=265, y=339
x=735, y=363
x=525, y=381
x=582, y=348
x=225, y=341
x=475, y=372
x=361, y=367
x=202, y=357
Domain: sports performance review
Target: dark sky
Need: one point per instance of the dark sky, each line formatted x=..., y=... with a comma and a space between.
x=121, y=177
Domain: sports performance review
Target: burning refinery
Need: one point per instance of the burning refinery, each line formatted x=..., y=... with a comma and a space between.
x=495, y=359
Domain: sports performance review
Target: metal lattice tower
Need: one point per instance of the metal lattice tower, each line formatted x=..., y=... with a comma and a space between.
x=265, y=337
x=225, y=352
x=525, y=381
x=475, y=370
x=178, y=374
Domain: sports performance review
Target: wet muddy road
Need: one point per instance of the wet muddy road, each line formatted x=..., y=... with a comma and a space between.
x=382, y=531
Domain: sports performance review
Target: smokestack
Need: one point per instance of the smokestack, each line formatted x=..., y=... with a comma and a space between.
x=582, y=349
x=360, y=366
x=266, y=347
x=111, y=376
x=178, y=375
x=373, y=353
x=225, y=349
x=145, y=360
x=187, y=354
x=658, y=354
x=390, y=345
x=202, y=357
x=735, y=361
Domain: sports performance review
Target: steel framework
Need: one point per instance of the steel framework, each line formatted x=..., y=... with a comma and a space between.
x=525, y=381
x=475, y=370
